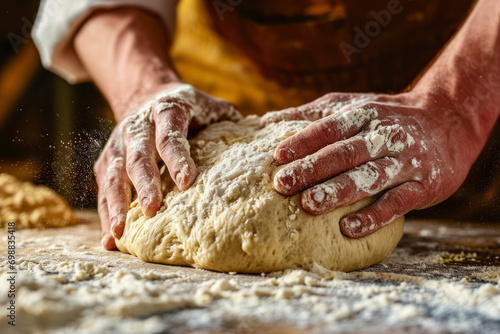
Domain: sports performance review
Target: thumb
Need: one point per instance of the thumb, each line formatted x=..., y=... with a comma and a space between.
x=306, y=112
x=317, y=109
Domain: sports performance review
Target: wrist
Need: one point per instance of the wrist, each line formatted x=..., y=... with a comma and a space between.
x=137, y=90
x=125, y=51
x=461, y=124
x=469, y=97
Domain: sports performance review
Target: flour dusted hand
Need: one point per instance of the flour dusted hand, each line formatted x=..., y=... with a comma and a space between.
x=157, y=131
x=402, y=147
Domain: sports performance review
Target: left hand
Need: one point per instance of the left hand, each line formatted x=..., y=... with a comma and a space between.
x=410, y=150
x=155, y=132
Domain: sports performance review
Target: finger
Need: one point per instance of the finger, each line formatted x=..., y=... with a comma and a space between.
x=118, y=195
x=323, y=132
x=302, y=113
x=215, y=109
x=142, y=169
x=322, y=165
x=171, y=131
x=107, y=240
x=361, y=182
x=379, y=141
x=392, y=205
x=312, y=111
x=202, y=108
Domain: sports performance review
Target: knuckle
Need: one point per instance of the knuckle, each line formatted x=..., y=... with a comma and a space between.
x=134, y=160
x=113, y=150
x=177, y=105
x=137, y=123
x=330, y=96
x=369, y=105
x=334, y=97
x=365, y=113
x=114, y=173
x=347, y=154
x=376, y=217
x=114, y=147
x=164, y=144
x=270, y=117
x=396, y=133
x=111, y=181
x=223, y=104
x=293, y=114
x=379, y=167
x=102, y=201
x=421, y=195
x=397, y=201
x=329, y=128
x=285, y=113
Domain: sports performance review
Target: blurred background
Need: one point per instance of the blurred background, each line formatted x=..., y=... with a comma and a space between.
x=51, y=132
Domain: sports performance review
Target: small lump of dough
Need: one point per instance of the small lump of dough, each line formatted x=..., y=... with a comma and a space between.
x=232, y=220
x=32, y=206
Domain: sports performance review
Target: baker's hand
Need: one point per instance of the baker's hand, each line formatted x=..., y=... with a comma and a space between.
x=407, y=149
x=155, y=132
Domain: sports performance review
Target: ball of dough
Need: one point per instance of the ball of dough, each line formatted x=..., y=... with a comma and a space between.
x=232, y=219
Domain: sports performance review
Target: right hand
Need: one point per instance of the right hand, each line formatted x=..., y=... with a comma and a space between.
x=156, y=132
x=410, y=150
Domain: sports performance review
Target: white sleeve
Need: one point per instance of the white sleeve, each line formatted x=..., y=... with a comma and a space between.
x=57, y=21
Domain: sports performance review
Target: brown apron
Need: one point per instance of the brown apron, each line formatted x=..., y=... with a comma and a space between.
x=266, y=55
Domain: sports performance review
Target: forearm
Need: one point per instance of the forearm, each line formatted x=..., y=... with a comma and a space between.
x=126, y=53
x=467, y=74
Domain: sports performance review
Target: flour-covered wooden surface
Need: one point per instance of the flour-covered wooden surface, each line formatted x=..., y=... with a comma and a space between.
x=442, y=278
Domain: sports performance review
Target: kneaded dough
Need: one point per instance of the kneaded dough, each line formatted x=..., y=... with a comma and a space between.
x=232, y=219
x=32, y=206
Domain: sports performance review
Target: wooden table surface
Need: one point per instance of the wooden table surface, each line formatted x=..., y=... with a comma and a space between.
x=456, y=250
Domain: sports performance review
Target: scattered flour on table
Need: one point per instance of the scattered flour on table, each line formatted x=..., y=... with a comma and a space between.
x=87, y=297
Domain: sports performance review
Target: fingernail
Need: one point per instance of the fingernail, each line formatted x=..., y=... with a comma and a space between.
x=312, y=200
x=146, y=202
x=118, y=226
x=284, y=181
x=106, y=241
x=283, y=155
x=181, y=179
x=149, y=209
x=318, y=195
x=351, y=227
x=117, y=230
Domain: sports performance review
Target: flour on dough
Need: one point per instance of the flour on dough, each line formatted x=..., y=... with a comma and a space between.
x=32, y=206
x=232, y=219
